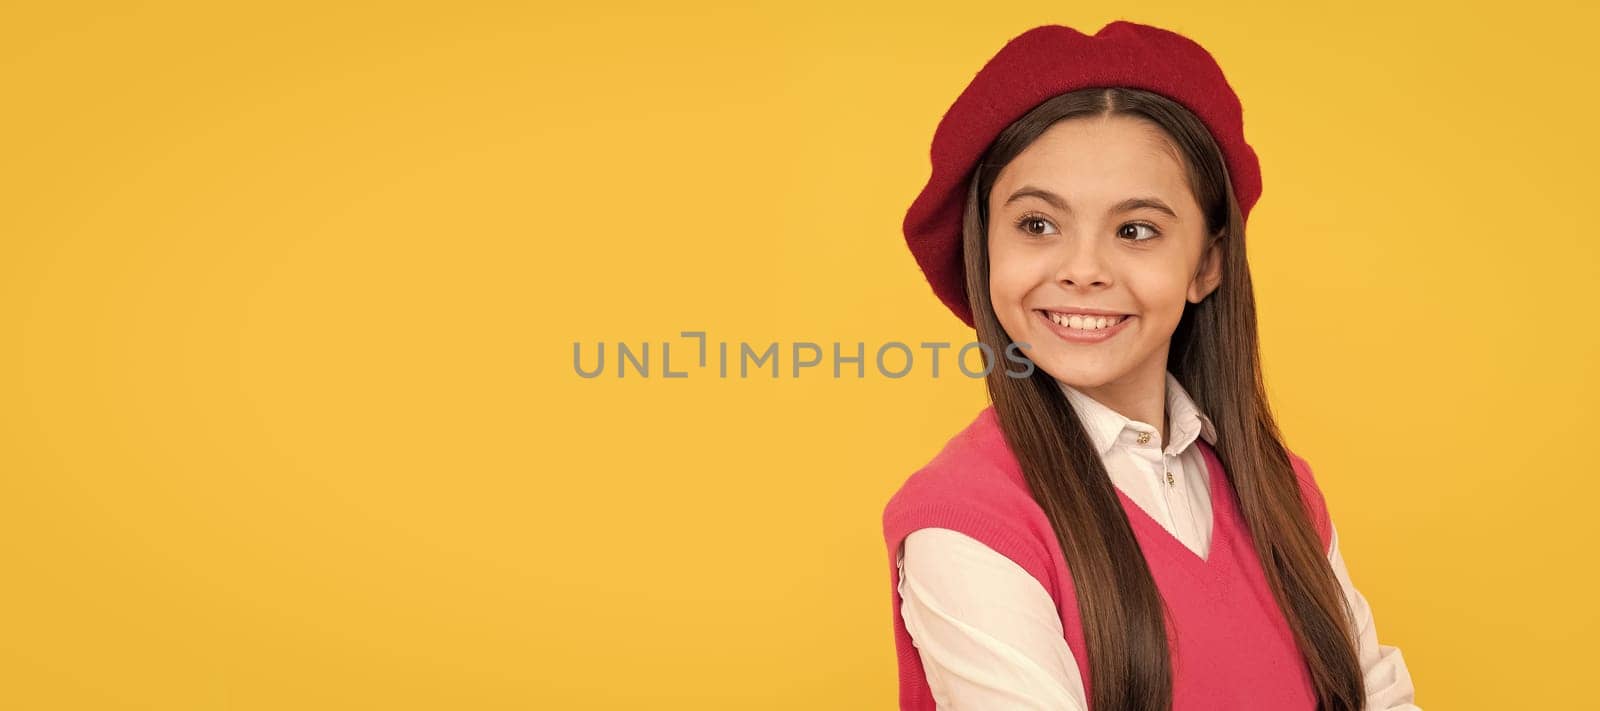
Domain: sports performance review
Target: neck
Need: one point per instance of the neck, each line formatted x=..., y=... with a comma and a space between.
x=1140, y=396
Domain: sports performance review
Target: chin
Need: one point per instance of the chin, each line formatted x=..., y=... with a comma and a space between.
x=1076, y=373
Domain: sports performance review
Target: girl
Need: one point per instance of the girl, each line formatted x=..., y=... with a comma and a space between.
x=1123, y=527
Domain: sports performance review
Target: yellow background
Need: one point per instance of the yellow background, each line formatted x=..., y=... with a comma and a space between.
x=288, y=417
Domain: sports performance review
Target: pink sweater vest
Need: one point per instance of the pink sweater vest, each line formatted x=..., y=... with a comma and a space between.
x=1231, y=646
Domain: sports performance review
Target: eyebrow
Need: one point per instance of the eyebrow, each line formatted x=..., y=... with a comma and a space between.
x=1057, y=202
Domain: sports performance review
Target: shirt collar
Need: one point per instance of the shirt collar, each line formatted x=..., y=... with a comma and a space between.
x=1106, y=426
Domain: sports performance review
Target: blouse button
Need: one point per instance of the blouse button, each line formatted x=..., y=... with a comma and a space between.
x=1144, y=438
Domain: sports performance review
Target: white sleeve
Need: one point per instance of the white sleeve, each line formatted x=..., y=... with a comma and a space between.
x=987, y=631
x=1383, y=669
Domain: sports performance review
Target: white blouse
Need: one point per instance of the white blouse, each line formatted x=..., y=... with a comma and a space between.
x=987, y=631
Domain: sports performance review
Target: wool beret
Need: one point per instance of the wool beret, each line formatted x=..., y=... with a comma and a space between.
x=1037, y=65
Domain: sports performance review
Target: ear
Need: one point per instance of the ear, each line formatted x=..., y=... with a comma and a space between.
x=1209, y=274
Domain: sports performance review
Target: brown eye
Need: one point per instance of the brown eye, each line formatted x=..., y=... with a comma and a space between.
x=1131, y=231
x=1035, y=225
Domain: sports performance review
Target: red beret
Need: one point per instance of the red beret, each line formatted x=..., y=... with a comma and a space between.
x=1042, y=63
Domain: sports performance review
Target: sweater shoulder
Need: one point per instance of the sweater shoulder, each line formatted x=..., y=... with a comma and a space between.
x=975, y=466
x=974, y=485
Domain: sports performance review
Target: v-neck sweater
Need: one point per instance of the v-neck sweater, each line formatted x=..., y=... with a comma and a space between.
x=1230, y=644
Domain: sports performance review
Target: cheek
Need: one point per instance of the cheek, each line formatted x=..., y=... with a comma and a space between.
x=1010, y=278
x=1161, y=295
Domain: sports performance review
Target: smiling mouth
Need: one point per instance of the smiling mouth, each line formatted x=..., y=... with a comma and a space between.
x=1083, y=322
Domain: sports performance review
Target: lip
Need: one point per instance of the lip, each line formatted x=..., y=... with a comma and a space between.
x=1072, y=335
x=1076, y=310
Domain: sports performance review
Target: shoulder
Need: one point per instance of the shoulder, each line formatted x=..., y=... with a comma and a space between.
x=1311, y=496
x=974, y=486
x=975, y=470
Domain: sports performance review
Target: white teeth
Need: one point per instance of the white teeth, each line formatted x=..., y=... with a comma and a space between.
x=1085, y=322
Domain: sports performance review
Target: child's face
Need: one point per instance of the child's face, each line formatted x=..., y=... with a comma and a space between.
x=1092, y=252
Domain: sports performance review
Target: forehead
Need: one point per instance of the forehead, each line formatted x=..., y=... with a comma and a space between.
x=1099, y=159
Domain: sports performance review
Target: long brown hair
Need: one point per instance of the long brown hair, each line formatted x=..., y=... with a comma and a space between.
x=1214, y=354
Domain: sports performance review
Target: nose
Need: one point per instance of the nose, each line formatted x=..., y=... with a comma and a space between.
x=1083, y=263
